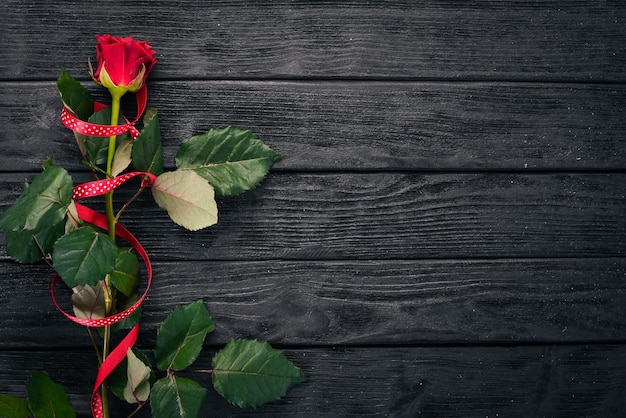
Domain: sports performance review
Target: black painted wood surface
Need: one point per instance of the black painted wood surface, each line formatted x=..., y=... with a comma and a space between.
x=444, y=236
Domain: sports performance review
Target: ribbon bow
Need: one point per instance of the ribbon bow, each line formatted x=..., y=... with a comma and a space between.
x=93, y=129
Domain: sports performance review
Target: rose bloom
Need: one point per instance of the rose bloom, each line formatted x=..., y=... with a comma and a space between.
x=123, y=63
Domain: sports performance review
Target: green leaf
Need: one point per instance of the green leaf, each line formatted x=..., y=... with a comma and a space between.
x=230, y=159
x=80, y=141
x=124, y=303
x=73, y=222
x=122, y=157
x=118, y=379
x=137, y=387
x=47, y=399
x=188, y=199
x=47, y=164
x=75, y=97
x=147, y=152
x=42, y=204
x=84, y=256
x=180, y=336
x=26, y=246
x=12, y=407
x=97, y=147
x=250, y=373
x=22, y=247
x=175, y=396
x=125, y=275
x=88, y=301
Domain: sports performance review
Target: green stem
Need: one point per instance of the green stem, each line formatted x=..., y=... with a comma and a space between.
x=109, y=297
x=108, y=198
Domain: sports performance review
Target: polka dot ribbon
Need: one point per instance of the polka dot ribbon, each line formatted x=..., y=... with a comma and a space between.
x=96, y=188
x=100, y=187
x=92, y=129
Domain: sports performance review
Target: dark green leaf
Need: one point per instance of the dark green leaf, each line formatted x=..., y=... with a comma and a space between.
x=80, y=141
x=84, y=256
x=47, y=399
x=230, y=159
x=176, y=397
x=75, y=96
x=251, y=373
x=47, y=164
x=180, y=336
x=124, y=303
x=42, y=204
x=26, y=246
x=97, y=148
x=125, y=275
x=11, y=407
x=22, y=247
x=47, y=237
x=147, y=154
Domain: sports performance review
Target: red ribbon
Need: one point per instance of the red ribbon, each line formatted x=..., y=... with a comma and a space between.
x=93, y=129
x=100, y=187
x=108, y=365
x=99, y=220
x=96, y=188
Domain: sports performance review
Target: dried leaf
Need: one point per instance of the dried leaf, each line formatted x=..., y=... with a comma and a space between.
x=187, y=197
x=88, y=301
x=137, y=388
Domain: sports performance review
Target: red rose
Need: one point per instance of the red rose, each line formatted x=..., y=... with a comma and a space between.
x=123, y=63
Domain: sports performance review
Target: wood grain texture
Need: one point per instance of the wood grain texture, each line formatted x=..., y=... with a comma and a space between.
x=489, y=39
x=585, y=380
x=393, y=216
x=352, y=302
x=357, y=125
x=444, y=236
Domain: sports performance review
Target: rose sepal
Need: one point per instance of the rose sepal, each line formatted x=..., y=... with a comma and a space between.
x=119, y=91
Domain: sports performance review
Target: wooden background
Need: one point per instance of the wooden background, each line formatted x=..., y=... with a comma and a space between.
x=445, y=235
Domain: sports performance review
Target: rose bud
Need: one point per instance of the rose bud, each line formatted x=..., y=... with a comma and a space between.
x=123, y=63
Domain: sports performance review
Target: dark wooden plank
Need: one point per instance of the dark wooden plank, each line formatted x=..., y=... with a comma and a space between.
x=227, y=39
x=358, y=125
x=400, y=382
x=352, y=302
x=392, y=216
x=397, y=252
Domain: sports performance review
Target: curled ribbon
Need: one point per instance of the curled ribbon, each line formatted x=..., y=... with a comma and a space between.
x=100, y=187
x=93, y=129
x=96, y=188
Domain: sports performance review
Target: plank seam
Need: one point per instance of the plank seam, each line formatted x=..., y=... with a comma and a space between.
x=361, y=80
